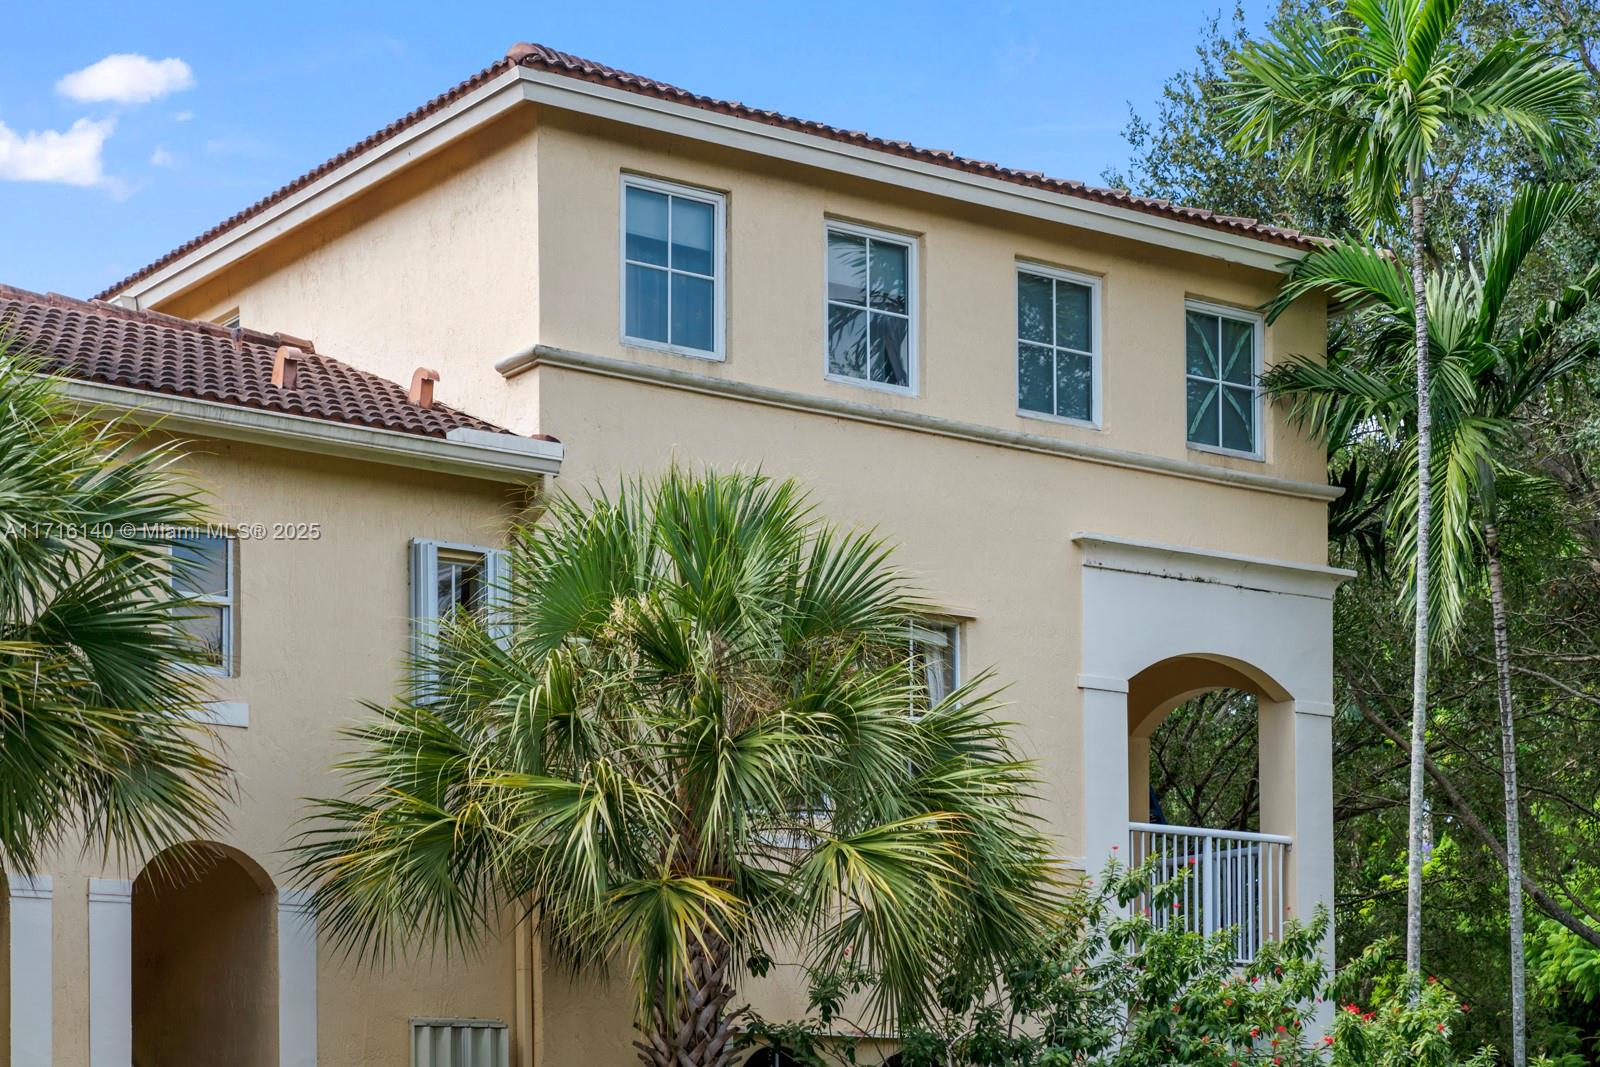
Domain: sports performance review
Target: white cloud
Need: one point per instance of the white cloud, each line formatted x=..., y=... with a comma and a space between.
x=162, y=158
x=127, y=78
x=71, y=157
x=182, y=116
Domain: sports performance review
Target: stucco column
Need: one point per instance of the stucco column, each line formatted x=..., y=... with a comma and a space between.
x=110, y=972
x=1139, y=778
x=297, y=979
x=32, y=971
x=1105, y=770
x=1297, y=800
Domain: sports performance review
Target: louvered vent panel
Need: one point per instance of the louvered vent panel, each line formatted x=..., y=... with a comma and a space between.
x=460, y=1043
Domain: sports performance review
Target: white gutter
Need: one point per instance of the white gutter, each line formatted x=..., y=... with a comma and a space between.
x=505, y=90
x=731, y=131
x=465, y=452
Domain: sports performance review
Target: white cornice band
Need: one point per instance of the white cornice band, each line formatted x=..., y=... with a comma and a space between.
x=606, y=366
x=466, y=452
x=1105, y=552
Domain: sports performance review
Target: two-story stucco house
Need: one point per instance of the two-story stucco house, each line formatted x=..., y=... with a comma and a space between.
x=1045, y=392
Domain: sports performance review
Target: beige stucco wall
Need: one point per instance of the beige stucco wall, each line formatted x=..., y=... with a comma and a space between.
x=512, y=240
x=322, y=624
x=435, y=268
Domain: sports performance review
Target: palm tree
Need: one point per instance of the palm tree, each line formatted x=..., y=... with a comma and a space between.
x=97, y=691
x=1367, y=97
x=1491, y=374
x=688, y=734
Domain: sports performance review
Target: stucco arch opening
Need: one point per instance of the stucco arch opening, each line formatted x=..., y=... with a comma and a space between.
x=205, y=959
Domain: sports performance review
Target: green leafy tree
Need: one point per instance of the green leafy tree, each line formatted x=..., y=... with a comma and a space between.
x=1491, y=374
x=97, y=691
x=692, y=736
x=1366, y=98
x=1115, y=985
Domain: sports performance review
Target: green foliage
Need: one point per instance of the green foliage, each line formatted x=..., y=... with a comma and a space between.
x=688, y=737
x=97, y=690
x=1489, y=371
x=1367, y=98
x=1114, y=987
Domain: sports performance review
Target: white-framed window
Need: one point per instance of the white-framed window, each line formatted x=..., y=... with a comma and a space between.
x=870, y=308
x=1058, y=344
x=1222, y=379
x=672, y=267
x=203, y=571
x=447, y=577
x=935, y=647
x=460, y=1043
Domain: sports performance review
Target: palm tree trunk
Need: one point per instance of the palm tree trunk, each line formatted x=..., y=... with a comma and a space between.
x=699, y=1032
x=1419, y=675
x=1508, y=756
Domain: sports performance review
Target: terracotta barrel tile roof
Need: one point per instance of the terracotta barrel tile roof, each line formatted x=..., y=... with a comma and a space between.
x=541, y=57
x=156, y=353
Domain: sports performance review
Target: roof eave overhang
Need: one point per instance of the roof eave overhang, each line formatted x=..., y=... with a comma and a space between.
x=523, y=84
x=503, y=458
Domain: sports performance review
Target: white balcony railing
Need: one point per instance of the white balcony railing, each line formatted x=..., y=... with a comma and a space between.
x=1237, y=880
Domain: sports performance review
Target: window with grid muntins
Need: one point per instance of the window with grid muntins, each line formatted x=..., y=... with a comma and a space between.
x=203, y=572
x=1055, y=345
x=1221, y=354
x=869, y=307
x=672, y=261
x=460, y=1043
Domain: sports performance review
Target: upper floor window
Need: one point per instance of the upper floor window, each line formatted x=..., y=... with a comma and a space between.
x=1057, y=344
x=672, y=267
x=1223, y=361
x=871, y=307
x=203, y=572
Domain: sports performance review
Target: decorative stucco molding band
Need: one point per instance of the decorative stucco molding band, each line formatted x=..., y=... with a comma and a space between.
x=606, y=366
x=1103, y=552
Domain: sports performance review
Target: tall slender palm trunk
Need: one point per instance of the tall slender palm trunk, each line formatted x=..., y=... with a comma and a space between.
x=1419, y=676
x=697, y=1031
x=1508, y=757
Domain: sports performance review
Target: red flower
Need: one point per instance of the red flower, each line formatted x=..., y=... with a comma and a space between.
x=1441, y=1028
x=1327, y=1039
x=1465, y=1008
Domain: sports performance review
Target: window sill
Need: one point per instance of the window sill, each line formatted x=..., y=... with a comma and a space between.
x=1059, y=420
x=877, y=387
x=674, y=350
x=235, y=713
x=1213, y=450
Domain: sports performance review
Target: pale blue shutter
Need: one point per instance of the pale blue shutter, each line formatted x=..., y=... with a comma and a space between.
x=497, y=594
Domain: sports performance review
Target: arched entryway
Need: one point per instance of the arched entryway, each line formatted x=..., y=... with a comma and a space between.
x=1234, y=858
x=1162, y=624
x=205, y=960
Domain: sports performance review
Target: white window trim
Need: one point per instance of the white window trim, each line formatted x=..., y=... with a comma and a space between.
x=719, y=263
x=913, y=308
x=228, y=604
x=1258, y=324
x=1093, y=284
x=424, y=577
x=930, y=630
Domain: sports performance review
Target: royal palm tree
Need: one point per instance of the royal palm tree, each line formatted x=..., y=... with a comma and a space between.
x=1365, y=98
x=98, y=738
x=1491, y=374
x=689, y=734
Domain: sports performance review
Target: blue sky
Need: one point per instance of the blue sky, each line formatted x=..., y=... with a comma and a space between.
x=126, y=159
